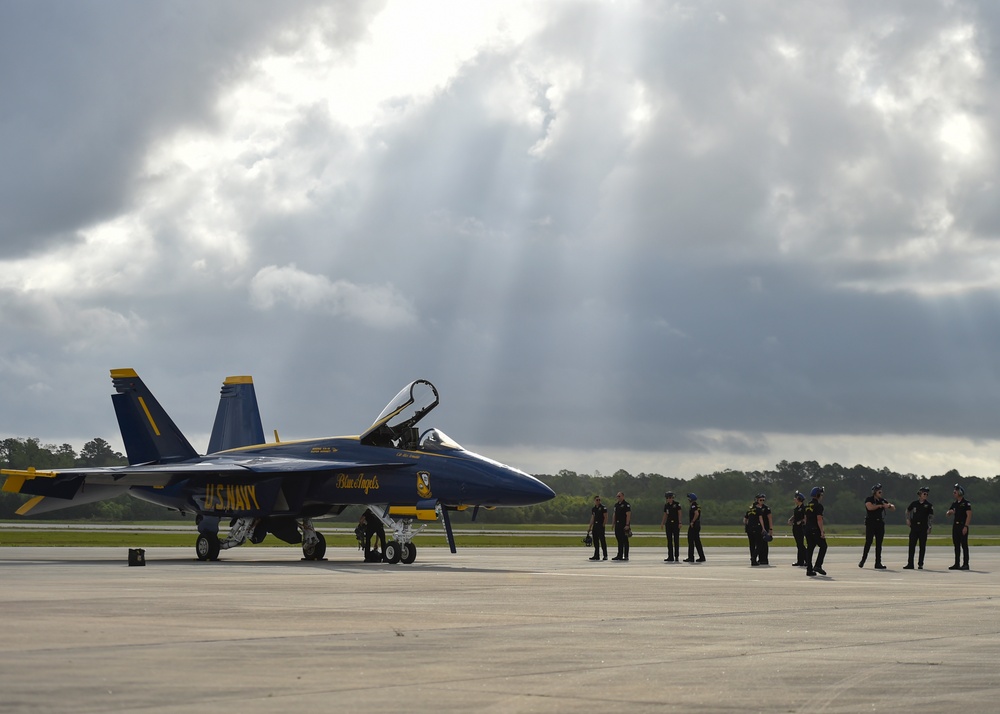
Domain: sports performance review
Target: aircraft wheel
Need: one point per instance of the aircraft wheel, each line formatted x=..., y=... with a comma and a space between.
x=207, y=546
x=317, y=550
x=392, y=552
x=408, y=553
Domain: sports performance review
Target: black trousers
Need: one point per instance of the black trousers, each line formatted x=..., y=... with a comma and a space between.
x=600, y=543
x=917, y=535
x=673, y=541
x=799, y=534
x=377, y=535
x=761, y=549
x=753, y=540
x=961, y=541
x=874, y=531
x=622, y=542
x=815, y=542
x=694, y=542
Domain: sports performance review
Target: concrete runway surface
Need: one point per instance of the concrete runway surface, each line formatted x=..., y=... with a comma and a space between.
x=494, y=630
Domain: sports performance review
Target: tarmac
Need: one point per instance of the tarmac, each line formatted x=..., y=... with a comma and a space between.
x=494, y=630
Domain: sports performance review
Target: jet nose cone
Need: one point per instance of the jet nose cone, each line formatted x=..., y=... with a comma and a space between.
x=531, y=491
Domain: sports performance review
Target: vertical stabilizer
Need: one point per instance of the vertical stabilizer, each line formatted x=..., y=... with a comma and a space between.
x=148, y=433
x=237, y=422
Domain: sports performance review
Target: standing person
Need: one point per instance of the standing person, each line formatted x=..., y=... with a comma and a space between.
x=672, y=524
x=798, y=524
x=598, y=521
x=815, y=532
x=767, y=528
x=962, y=511
x=623, y=525
x=694, y=530
x=875, y=508
x=753, y=525
x=919, y=515
x=373, y=529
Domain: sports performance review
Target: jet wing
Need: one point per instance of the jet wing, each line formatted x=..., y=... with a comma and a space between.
x=163, y=474
x=71, y=484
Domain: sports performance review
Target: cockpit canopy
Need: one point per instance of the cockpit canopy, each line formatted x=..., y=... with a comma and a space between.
x=437, y=440
x=396, y=426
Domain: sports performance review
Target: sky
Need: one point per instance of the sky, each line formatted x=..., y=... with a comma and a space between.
x=664, y=237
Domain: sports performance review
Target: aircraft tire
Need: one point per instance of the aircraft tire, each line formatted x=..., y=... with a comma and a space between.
x=392, y=552
x=207, y=547
x=408, y=553
x=317, y=551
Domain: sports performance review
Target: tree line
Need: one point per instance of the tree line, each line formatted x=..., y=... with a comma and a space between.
x=23, y=453
x=723, y=495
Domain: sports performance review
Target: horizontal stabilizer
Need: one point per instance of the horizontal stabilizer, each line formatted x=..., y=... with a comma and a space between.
x=86, y=494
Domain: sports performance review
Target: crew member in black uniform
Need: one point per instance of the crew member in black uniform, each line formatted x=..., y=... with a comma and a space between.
x=672, y=523
x=815, y=533
x=694, y=530
x=373, y=528
x=798, y=524
x=598, y=521
x=875, y=508
x=961, y=509
x=767, y=530
x=623, y=525
x=754, y=527
x=919, y=515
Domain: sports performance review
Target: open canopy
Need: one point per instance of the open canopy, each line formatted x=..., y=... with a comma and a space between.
x=396, y=426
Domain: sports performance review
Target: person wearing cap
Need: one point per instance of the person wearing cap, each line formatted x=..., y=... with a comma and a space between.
x=694, y=530
x=753, y=524
x=767, y=532
x=961, y=509
x=815, y=533
x=672, y=524
x=875, y=508
x=919, y=515
x=598, y=521
x=623, y=525
x=798, y=523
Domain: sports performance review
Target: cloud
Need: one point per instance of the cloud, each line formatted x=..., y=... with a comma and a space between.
x=696, y=232
x=378, y=306
x=88, y=88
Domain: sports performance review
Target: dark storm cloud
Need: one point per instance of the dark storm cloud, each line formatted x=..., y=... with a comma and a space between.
x=88, y=86
x=697, y=332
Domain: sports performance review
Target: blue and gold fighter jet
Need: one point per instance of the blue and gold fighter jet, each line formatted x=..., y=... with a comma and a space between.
x=402, y=473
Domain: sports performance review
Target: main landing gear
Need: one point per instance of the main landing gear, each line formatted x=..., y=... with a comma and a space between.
x=313, y=542
x=396, y=552
x=401, y=548
x=208, y=546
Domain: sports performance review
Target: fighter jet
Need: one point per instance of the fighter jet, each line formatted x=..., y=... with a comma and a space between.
x=402, y=473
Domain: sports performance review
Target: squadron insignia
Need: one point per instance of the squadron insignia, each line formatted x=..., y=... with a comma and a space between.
x=423, y=484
